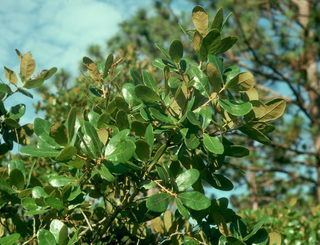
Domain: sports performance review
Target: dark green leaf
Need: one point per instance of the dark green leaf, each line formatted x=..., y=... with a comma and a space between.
x=146, y=94
x=142, y=150
x=176, y=51
x=67, y=153
x=194, y=200
x=218, y=20
x=71, y=121
x=158, y=202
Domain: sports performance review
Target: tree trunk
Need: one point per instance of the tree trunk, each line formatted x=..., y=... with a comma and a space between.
x=309, y=59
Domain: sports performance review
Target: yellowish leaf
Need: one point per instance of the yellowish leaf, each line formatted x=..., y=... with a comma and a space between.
x=197, y=39
x=92, y=69
x=274, y=238
x=27, y=66
x=10, y=75
x=200, y=20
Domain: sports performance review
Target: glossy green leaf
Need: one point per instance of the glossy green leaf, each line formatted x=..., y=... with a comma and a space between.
x=54, y=203
x=45, y=237
x=218, y=20
x=59, y=181
x=67, y=153
x=213, y=144
x=71, y=122
x=149, y=80
x=255, y=134
x=120, y=148
x=236, y=108
x=60, y=231
x=128, y=92
x=41, y=126
x=105, y=173
x=38, y=192
x=146, y=94
x=158, y=202
x=38, y=152
x=176, y=50
x=182, y=209
x=149, y=136
x=11, y=239
x=17, y=111
x=236, y=151
x=95, y=144
x=186, y=179
x=194, y=200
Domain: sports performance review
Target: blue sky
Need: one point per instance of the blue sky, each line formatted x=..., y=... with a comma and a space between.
x=57, y=32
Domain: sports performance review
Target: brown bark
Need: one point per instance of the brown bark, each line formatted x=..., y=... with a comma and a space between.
x=309, y=58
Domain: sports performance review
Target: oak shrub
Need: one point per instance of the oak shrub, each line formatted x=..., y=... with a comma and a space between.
x=141, y=165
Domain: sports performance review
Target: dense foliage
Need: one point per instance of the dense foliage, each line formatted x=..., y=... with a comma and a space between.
x=140, y=160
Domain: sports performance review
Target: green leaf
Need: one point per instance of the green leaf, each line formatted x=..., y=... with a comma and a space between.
x=107, y=65
x=219, y=182
x=146, y=94
x=38, y=152
x=194, y=200
x=95, y=144
x=236, y=151
x=38, y=192
x=176, y=51
x=200, y=19
x=149, y=81
x=158, y=202
x=41, y=126
x=149, y=135
x=17, y=111
x=33, y=83
x=10, y=239
x=226, y=44
x=213, y=144
x=67, y=153
x=192, y=141
x=200, y=80
x=59, y=231
x=182, y=209
x=120, y=148
x=105, y=173
x=45, y=237
x=71, y=122
x=186, y=179
x=236, y=108
x=218, y=20
x=161, y=117
x=142, y=150
x=25, y=92
x=255, y=134
x=17, y=178
x=59, y=181
x=54, y=203
x=129, y=95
